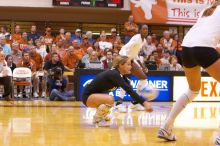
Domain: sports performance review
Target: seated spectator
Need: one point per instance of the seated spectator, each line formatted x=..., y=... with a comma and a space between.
x=85, y=58
x=107, y=63
x=154, y=39
x=117, y=45
x=77, y=50
x=156, y=58
x=91, y=39
x=10, y=63
x=148, y=47
x=29, y=63
x=174, y=65
x=67, y=41
x=16, y=37
x=77, y=36
x=23, y=41
x=33, y=35
x=4, y=32
x=48, y=38
x=150, y=63
x=16, y=53
x=70, y=60
x=98, y=50
x=60, y=50
x=112, y=37
x=40, y=48
x=40, y=76
x=160, y=50
x=5, y=77
x=166, y=57
x=36, y=57
x=6, y=48
x=115, y=54
x=94, y=61
x=61, y=35
x=51, y=51
x=85, y=43
x=167, y=42
x=103, y=43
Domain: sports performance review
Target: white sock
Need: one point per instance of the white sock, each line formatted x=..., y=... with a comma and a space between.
x=180, y=104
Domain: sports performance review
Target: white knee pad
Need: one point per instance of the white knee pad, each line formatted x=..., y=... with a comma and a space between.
x=191, y=95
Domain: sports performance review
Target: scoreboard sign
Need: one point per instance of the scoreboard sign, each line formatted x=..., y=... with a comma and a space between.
x=89, y=3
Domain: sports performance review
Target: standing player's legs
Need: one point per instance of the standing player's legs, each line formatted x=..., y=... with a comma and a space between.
x=193, y=76
x=137, y=71
x=103, y=103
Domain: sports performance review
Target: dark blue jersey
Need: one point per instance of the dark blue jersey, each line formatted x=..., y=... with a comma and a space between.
x=110, y=80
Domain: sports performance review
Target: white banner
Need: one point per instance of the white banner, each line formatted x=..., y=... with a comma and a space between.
x=183, y=12
x=210, y=89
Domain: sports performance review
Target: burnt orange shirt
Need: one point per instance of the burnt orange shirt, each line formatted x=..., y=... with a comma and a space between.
x=37, y=59
x=85, y=46
x=31, y=64
x=59, y=37
x=48, y=40
x=70, y=60
x=168, y=43
x=79, y=53
x=16, y=37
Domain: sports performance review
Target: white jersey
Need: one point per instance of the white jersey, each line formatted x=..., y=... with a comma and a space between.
x=205, y=32
x=133, y=47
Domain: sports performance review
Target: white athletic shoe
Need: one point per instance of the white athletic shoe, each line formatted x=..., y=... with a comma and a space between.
x=121, y=108
x=20, y=95
x=43, y=95
x=101, y=113
x=36, y=95
x=164, y=134
x=137, y=107
x=217, y=141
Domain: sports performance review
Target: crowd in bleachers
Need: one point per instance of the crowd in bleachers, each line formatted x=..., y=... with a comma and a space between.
x=42, y=52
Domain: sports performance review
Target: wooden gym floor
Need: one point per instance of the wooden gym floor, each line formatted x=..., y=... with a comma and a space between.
x=46, y=123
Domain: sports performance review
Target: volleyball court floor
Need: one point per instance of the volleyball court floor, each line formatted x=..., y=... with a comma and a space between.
x=46, y=123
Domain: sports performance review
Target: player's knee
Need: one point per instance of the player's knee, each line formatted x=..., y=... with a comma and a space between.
x=111, y=101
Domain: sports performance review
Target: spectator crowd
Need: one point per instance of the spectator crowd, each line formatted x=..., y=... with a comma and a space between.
x=67, y=51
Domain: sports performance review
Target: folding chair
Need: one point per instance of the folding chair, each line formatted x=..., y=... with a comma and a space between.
x=22, y=81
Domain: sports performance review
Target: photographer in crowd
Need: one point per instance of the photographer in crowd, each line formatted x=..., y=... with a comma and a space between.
x=54, y=70
x=57, y=83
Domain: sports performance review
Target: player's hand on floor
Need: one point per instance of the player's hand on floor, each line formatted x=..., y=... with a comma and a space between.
x=148, y=107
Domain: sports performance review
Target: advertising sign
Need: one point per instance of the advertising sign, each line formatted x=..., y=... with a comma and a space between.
x=161, y=83
x=210, y=89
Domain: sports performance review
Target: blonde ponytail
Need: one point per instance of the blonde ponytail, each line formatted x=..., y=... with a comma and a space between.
x=119, y=60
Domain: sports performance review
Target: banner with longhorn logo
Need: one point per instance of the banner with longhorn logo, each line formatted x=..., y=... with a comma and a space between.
x=182, y=12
